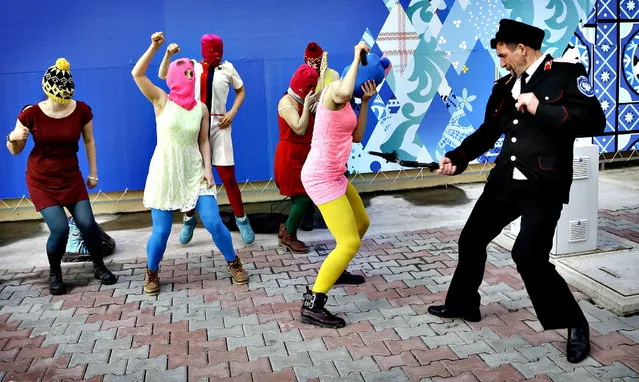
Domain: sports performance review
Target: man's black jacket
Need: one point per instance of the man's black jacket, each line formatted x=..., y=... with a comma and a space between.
x=540, y=145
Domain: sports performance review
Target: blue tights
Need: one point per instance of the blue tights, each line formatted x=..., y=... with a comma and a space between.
x=209, y=214
x=56, y=220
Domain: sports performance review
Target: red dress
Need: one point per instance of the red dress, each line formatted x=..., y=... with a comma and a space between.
x=290, y=155
x=53, y=173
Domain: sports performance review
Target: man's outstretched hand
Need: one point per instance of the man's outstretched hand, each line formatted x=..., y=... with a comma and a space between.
x=446, y=167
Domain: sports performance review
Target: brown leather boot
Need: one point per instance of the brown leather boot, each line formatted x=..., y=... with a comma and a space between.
x=314, y=313
x=151, y=283
x=290, y=242
x=237, y=272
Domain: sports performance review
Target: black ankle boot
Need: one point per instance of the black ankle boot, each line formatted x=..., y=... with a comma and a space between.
x=56, y=284
x=102, y=273
x=350, y=279
x=313, y=311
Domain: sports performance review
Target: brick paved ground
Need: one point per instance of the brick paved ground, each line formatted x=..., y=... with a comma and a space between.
x=202, y=325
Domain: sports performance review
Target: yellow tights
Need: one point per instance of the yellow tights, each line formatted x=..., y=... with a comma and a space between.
x=346, y=218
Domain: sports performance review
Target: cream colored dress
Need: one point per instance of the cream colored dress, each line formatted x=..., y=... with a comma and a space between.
x=175, y=179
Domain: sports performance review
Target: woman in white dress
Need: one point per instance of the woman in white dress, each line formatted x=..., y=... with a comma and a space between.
x=180, y=175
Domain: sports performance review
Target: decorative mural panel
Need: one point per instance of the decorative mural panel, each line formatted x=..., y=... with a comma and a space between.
x=436, y=92
x=607, y=45
x=440, y=49
x=433, y=97
x=616, y=69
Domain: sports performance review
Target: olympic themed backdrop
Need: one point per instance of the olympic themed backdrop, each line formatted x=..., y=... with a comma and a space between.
x=434, y=94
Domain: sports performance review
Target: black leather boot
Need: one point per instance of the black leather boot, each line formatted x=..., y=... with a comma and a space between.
x=313, y=311
x=56, y=284
x=102, y=273
x=350, y=279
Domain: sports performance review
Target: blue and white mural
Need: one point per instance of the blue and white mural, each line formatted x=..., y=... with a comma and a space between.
x=443, y=66
x=433, y=97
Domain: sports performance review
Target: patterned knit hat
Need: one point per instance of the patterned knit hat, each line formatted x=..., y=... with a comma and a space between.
x=313, y=55
x=57, y=82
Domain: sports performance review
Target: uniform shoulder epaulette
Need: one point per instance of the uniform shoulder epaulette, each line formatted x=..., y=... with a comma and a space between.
x=568, y=62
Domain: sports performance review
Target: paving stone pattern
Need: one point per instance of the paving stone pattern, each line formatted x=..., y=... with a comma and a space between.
x=202, y=327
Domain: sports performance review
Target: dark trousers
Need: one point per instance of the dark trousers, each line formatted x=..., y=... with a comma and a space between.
x=555, y=305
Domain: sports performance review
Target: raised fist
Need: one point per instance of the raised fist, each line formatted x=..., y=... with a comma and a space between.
x=157, y=38
x=172, y=48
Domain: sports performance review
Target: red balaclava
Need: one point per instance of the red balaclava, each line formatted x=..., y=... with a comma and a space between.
x=212, y=49
x=303, y=81
x=313, y=55
x=182, y=85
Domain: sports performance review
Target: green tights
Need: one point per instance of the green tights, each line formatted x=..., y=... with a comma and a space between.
x=302, y=205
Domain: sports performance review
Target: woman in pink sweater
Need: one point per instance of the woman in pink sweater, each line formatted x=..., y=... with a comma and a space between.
x=336, y=128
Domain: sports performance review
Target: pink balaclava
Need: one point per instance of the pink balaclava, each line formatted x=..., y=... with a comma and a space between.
x=181, y=81
x=212, y=49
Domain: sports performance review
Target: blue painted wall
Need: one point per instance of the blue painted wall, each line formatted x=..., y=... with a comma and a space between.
x=265, y=40
x=433, y=97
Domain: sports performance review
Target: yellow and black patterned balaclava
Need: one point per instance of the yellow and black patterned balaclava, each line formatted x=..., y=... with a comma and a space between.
x=57, y=82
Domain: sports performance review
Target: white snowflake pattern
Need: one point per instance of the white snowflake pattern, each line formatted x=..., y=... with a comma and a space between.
x=630, y=5
x=605, y=105
x=605, y=76
x=628, y=117
x=455, y=64
x=442, y=40
x=605, y=48
x=457, y=23
x=463, y=45
x=448, y=52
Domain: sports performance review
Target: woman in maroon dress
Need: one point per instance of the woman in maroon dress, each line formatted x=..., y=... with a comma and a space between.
x=54, y=180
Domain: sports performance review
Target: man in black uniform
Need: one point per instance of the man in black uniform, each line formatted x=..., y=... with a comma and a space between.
x=541, y=107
